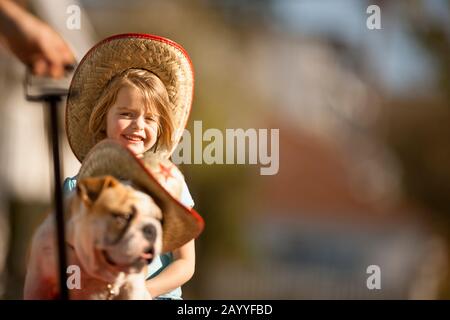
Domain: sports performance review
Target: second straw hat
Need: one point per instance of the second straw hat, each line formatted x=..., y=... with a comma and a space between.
x=159, y=178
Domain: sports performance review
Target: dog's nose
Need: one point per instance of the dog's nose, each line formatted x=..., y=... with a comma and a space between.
x=149, y=232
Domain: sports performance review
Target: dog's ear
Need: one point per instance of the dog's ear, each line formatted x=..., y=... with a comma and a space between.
x=89, y=189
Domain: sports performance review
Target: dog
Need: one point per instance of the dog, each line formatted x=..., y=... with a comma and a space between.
x=113, y=231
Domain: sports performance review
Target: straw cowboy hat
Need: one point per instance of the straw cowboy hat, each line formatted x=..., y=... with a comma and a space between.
x=159, y=178
x=165, y=58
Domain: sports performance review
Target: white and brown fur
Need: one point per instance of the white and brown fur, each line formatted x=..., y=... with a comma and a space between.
x=112, y=230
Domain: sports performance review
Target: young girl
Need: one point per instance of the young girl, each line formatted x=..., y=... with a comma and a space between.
x=135, y=109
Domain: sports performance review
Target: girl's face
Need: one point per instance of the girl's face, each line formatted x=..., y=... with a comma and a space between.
x=128, y=122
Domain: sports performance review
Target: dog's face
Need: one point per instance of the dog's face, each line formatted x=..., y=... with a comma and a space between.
x=116, y=229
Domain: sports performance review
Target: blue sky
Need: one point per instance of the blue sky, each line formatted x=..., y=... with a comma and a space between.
x=393, y=55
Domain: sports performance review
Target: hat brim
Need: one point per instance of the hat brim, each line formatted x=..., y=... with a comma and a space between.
x=165, y=58
x=180, y=224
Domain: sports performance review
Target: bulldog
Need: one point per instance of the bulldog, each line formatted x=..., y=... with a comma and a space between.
x=113, y=231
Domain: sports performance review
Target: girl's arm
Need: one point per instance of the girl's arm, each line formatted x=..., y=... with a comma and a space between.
x=175, y=274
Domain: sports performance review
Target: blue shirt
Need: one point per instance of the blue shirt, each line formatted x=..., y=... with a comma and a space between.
x=162, y=261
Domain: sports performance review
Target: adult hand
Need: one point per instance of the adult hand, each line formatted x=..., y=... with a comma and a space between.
x=32, y=41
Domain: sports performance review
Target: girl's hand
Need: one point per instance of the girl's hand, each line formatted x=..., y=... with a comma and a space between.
x=175, y=274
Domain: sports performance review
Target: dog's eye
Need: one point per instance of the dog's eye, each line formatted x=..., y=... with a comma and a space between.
x=121, y=220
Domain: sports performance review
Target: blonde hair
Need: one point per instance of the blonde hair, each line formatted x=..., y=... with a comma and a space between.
x=156, y=100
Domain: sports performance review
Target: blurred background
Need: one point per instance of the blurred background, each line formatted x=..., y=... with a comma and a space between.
x=363, y=118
